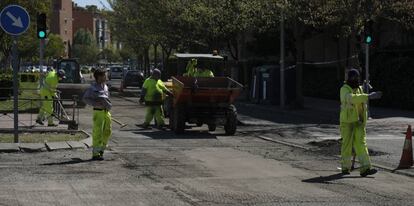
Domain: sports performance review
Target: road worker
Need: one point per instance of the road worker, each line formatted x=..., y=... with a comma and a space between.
x=190, y=68
x=153, y=93
x=97, y=96
x=203, y=72
x=353, y=120
x=193, y=71
x=47, y=93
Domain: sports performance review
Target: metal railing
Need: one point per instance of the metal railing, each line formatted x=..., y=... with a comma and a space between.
x=66, y=111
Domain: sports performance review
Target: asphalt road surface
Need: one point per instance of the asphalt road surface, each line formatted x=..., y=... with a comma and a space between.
x=153, y=167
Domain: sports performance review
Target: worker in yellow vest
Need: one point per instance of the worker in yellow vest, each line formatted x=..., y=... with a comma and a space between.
x=353, y=120
x=47, y=93
x=153, y=93
x=193, y=71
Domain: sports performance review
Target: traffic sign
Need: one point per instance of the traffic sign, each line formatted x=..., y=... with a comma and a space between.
x=14, y=20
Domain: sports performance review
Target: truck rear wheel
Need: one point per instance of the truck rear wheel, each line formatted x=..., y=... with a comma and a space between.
x=231, y=123
x=179, y=119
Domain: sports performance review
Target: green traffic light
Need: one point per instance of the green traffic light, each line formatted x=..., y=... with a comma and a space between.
x=41, y=34
x=368, y=39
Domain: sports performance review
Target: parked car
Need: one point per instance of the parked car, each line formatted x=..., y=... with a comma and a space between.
x=116, y=72
x=132, y=78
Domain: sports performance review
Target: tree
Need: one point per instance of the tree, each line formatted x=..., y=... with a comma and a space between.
x=126, y=53
x=55, y=47
x=84, y=47
x=110, y=55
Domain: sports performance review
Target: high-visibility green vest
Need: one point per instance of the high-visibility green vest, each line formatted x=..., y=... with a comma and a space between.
x=154, y=90
x=353, y=105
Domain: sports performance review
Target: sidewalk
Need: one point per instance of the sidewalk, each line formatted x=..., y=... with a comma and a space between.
x=26, y=121
x=317, y=126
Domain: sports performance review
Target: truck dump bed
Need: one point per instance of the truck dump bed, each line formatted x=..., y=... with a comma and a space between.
x=205, y=90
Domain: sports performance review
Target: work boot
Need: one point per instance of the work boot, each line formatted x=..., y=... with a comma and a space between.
x=97, y=156
x=369, y=172
x=144, y=126
x=162, y=127
x=39, y=122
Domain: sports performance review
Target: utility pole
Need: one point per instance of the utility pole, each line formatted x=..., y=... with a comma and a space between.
x=15, y=64
x=367, y=40
x=282, y=61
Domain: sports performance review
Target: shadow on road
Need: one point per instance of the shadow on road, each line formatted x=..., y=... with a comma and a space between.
x=331, y=178
x=171, y=135
x=70, y=162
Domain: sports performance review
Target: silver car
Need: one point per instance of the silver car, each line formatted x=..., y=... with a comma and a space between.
x=116, y=72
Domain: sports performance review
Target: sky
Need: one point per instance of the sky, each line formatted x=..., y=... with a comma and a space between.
x=83, y=3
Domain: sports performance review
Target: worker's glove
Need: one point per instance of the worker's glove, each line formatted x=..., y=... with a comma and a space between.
x=375, y=95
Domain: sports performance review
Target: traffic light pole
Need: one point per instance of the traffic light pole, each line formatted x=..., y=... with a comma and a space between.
x=367, y=74
x=41, y=61
x=15, y=90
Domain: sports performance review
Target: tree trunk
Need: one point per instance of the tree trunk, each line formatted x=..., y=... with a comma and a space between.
x=242, y=55
x=338, y=56
x=348, y=50
x=156, y=55
x=231, y=43
x=146, y=61
x=163, y=58
x=300, y=45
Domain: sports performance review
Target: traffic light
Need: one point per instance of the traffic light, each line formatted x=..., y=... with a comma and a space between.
x=41, y=26
x=368, y=32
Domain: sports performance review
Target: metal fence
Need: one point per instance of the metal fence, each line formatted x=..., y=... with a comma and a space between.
x=66, y=111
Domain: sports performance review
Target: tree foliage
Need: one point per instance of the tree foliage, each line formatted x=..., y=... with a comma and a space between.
x=84, y=47
x=55, y=47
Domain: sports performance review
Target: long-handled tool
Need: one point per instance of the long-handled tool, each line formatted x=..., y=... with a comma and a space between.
x=119, y=122
x=353, y=161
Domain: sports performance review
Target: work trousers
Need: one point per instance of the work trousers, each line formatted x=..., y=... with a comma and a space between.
x=46, y=108
x=102, y=130
x=354, y=136
x=154, y=111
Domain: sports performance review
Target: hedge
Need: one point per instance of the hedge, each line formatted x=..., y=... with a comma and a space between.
x=321, y=82
x=29, y=77
x=391, y=73
x=394, y=75
x=6, y=84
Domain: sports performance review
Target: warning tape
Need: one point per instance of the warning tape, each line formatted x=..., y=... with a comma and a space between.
x=328, y=62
